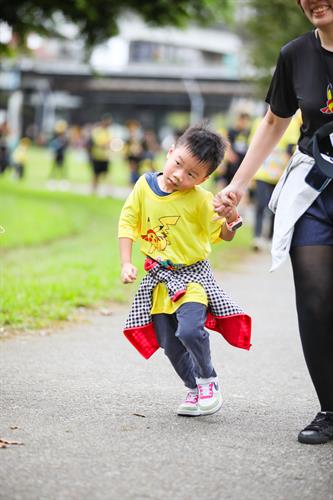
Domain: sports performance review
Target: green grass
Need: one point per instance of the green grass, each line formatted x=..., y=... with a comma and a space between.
x=226, y=255
x=76, y=167
x=32, y=217
x=60, y=251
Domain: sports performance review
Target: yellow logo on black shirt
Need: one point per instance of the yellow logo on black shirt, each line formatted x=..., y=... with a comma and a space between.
x=328, y=109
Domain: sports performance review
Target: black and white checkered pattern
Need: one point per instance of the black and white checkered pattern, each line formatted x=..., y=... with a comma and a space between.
x=219, y=303
x=173, y=280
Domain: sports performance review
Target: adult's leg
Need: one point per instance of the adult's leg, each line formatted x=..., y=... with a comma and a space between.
x=259, y=208
x=191, y=331
x=165, y=327
x=313, y=276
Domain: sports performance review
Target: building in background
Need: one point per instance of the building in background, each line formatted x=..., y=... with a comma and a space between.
x=144, y=73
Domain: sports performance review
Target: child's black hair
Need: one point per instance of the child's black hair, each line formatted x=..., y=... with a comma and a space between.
x=207, y=146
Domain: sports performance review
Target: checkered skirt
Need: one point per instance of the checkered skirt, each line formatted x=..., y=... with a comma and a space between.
x=219, y=303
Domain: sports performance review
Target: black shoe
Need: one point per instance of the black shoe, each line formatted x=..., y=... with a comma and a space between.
x=319, y=431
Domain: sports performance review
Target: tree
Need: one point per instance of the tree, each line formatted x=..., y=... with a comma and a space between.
x=97, y=19
x=272, y=24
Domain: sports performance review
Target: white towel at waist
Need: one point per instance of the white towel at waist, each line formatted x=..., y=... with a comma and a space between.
x=291, y=197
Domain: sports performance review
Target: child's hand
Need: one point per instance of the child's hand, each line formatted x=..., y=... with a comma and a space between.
x=230, y=196
x=225, y=205
x=128, y=273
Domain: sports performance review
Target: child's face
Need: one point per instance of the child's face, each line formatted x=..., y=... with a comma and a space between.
x=182, y=170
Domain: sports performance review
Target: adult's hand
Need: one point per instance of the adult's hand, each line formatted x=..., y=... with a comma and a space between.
x=263, y=142
x=226, y=200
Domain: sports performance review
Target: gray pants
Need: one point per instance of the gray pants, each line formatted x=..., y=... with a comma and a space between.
x=185, y=341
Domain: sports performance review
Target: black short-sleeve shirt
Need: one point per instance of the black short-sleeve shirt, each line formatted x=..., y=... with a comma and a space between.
x=301, y=81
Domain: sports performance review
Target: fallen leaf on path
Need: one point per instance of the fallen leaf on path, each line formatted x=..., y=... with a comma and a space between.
x=13, y=427
x=4, y=443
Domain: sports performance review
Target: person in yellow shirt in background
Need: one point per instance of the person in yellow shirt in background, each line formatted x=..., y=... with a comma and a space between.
x=19, y=157
x=173, y=217
x=58, y=145
x=133, y=150
x=237, y=138
x=267, y=177
x=99, y=150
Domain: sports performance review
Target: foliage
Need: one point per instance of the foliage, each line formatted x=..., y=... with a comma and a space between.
x=60, y=252
x=272, y=24
x=97, y=20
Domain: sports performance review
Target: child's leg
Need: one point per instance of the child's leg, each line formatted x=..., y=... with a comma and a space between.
x=191, y=331
x=166, y=327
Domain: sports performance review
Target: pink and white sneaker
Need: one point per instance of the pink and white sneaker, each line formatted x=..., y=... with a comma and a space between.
x=210, y=398
x=190, y=406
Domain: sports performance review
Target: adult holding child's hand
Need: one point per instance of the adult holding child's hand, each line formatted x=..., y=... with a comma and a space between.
x=226, y=200
x=266, y=137
x=303, y=198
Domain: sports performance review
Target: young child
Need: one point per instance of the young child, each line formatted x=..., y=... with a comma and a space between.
x=174, y=219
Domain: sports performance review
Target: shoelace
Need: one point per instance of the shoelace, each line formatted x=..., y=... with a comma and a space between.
x=206, y=390
x=192, y=397
x=321, y=422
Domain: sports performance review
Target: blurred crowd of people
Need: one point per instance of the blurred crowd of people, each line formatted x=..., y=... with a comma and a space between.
x=99, y=143
x=239, y=136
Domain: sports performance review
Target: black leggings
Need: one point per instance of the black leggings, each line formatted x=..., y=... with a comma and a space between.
x=313, y=276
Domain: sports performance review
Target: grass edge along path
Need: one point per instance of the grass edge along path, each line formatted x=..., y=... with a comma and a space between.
x=60, y=252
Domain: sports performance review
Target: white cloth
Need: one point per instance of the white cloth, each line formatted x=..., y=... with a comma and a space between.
x=291, y=197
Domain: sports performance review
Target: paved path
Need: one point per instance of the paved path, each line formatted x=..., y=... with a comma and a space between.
x=76, y=397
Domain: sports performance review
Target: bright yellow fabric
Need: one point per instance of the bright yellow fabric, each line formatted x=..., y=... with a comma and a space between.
x=20, y=154
x=163, y=304
x=274, y=165
x=100, y=144
x=178, y=227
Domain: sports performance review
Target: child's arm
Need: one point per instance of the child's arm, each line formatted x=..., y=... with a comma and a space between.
x=128, y=231
x=128, y=270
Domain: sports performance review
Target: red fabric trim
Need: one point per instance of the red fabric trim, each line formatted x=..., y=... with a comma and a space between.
x=236, y=329
x=143, y=338
x=177, y=295
x=149, y=264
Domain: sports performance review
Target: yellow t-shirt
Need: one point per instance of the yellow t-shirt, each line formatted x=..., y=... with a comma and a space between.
x=20, y=154
x=274, y=165
x=162, y=304
x=178, y=227
x=101, y=138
